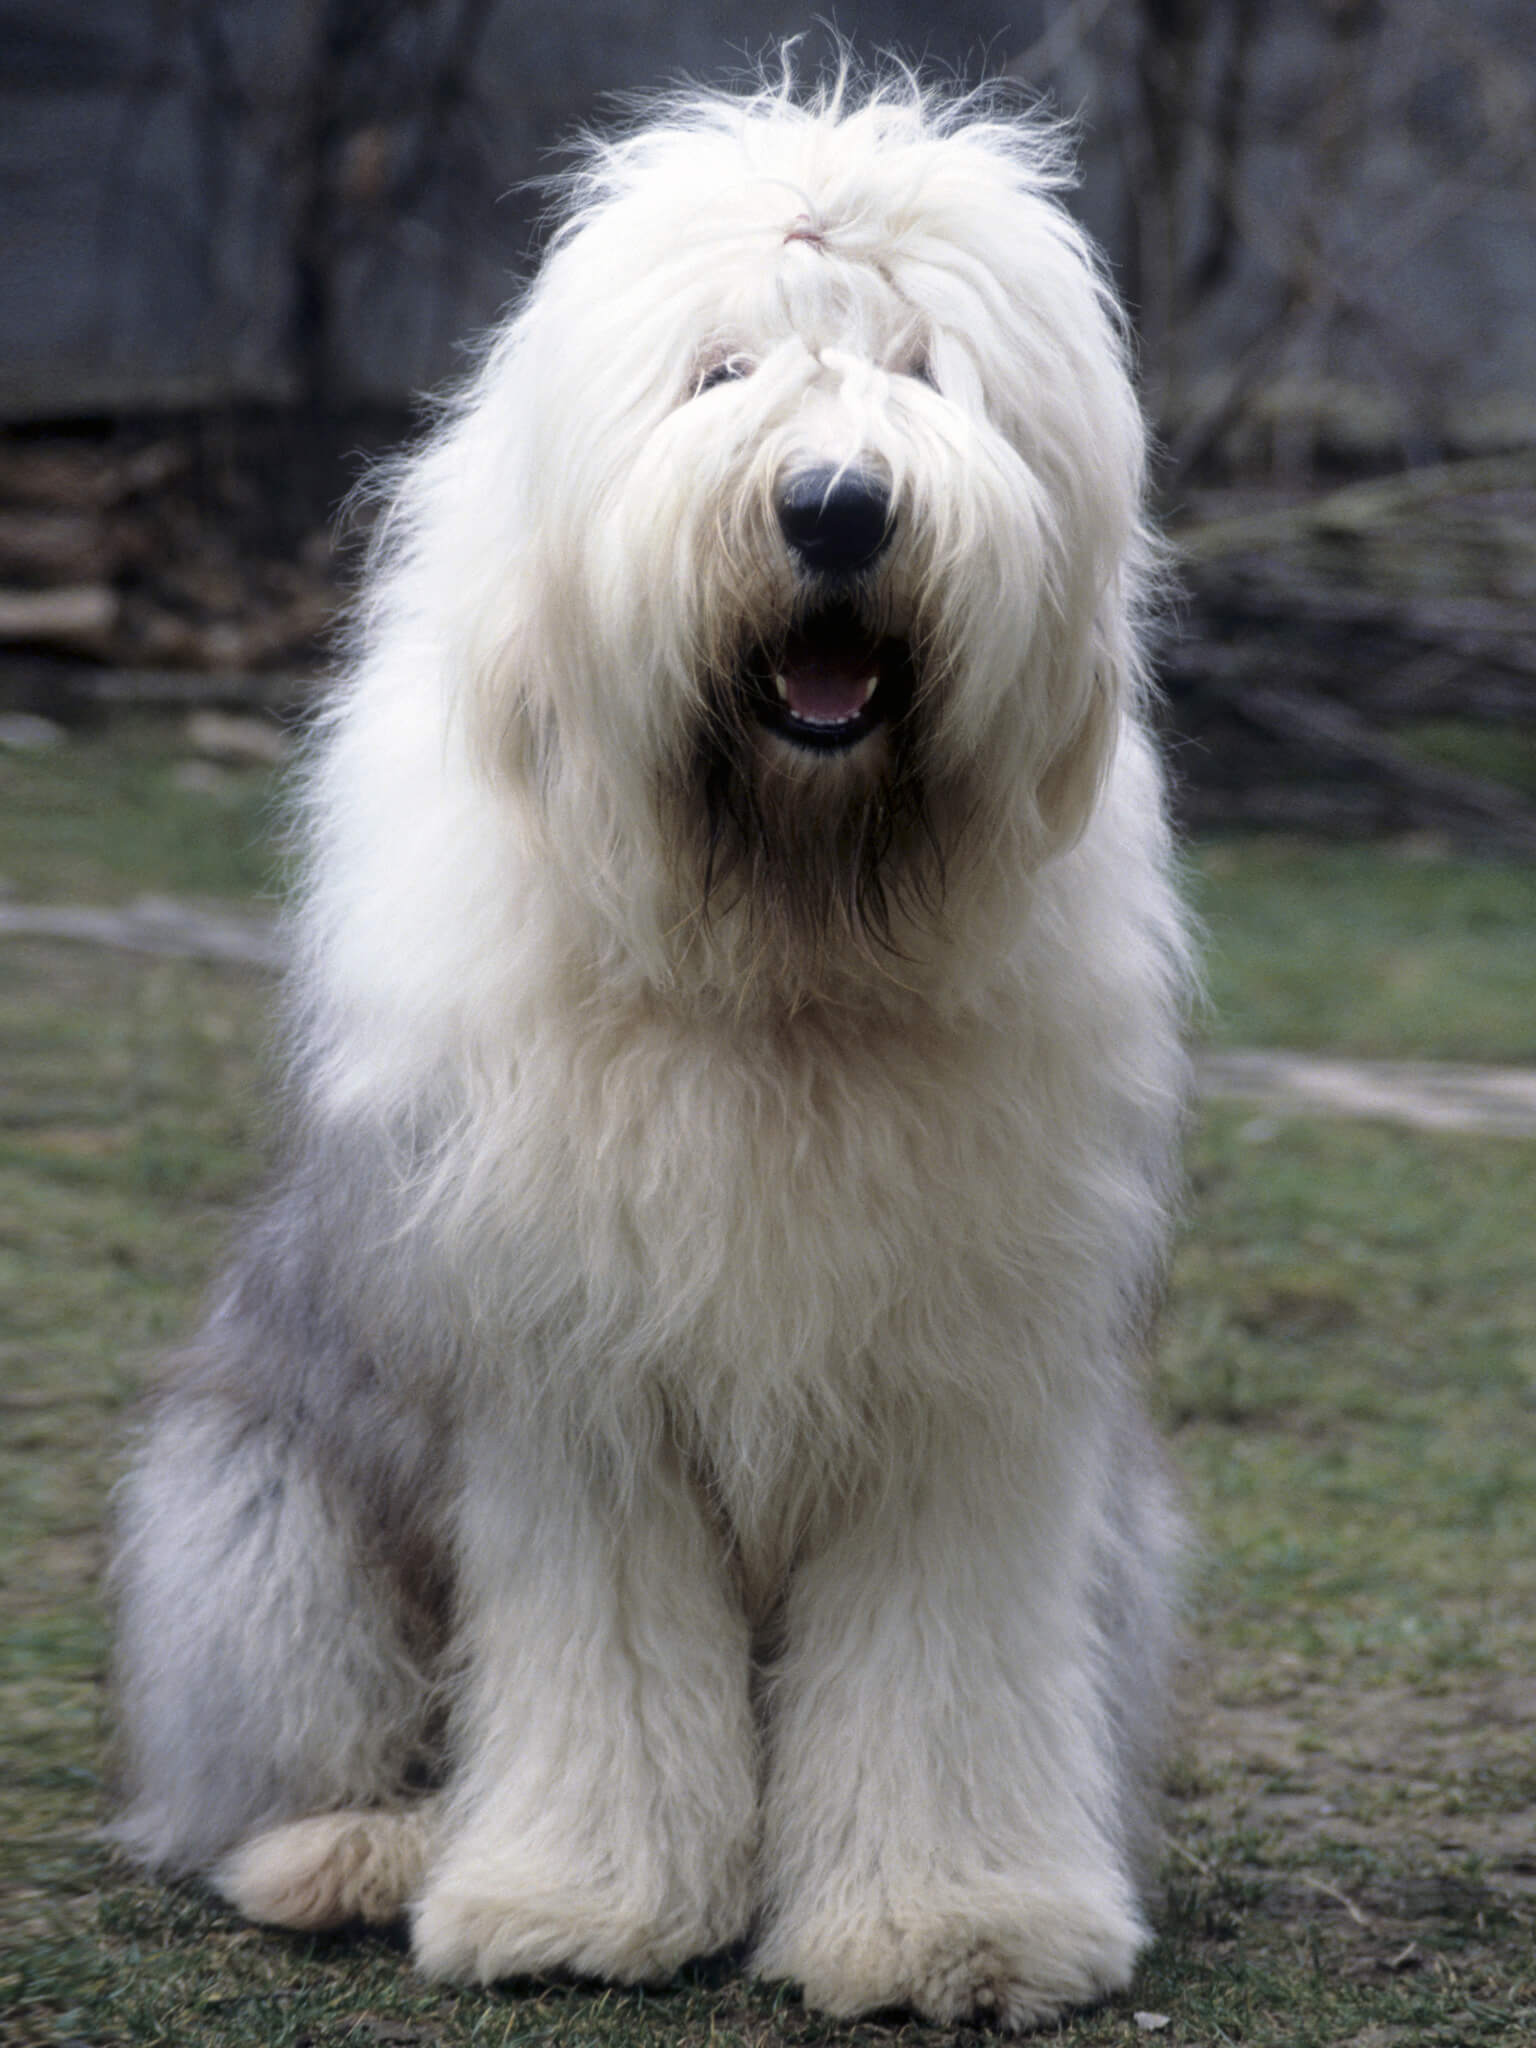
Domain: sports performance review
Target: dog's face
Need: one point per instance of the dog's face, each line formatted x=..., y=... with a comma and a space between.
x=821, y=474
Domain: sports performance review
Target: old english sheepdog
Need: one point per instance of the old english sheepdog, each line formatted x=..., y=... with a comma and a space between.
x=666, y=1464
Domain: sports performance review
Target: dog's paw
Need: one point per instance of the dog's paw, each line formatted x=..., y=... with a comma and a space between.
x=329, y=1869
x=480, y=1926
x=1012, y=1961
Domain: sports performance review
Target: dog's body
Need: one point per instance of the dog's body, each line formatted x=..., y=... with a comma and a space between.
x=667, y=1461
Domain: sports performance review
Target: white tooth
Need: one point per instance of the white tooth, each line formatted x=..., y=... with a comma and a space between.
x=782, y=687
x=869, y=690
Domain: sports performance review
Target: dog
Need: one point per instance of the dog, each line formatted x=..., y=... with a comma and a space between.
x=666, y=1467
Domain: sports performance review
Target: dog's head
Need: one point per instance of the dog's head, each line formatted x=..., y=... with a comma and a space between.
x=799, y=554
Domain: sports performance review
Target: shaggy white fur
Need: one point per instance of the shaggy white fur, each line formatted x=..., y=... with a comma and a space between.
x=666, y=1463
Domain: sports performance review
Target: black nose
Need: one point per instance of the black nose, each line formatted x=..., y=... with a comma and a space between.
x=836, y=520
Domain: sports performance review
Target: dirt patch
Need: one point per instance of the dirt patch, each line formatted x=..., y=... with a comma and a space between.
x=1429, y=1788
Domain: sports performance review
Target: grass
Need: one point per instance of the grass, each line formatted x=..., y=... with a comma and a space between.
x=1348, y=1378
x=127, y=813
x=1500, y=753
x=1407, y=953
x=1349, y=1367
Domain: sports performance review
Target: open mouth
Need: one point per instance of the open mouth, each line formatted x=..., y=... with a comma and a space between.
x=830, y=682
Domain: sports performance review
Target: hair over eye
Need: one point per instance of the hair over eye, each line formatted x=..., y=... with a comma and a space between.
x=727, y=370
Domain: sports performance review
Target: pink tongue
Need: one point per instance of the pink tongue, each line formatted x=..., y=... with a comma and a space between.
x=827, y=686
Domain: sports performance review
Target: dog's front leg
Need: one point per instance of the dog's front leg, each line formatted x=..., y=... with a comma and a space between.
x=602, y=1818
x=940, y=1816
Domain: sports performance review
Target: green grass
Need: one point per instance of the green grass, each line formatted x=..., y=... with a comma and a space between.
x=1348, y=1379
x=1499, y=753
x=1349, y=1367
x=106, y=817
x=1406, y=952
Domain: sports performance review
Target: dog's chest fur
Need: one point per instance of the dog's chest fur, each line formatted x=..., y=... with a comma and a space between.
x=784, y=1219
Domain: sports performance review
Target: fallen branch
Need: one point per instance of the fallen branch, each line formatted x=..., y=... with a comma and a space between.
x=1355, y=508
x=1446, y=1095
x=1331, y=1891
x=1438, y=797
x=152, y=924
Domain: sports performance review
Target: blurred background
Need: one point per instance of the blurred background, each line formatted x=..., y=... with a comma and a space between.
x=245, y=235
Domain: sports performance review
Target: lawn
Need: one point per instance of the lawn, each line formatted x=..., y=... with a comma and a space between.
x=1347, y=1371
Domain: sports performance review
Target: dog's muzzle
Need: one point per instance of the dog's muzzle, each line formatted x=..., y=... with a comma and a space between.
x=831, y=681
